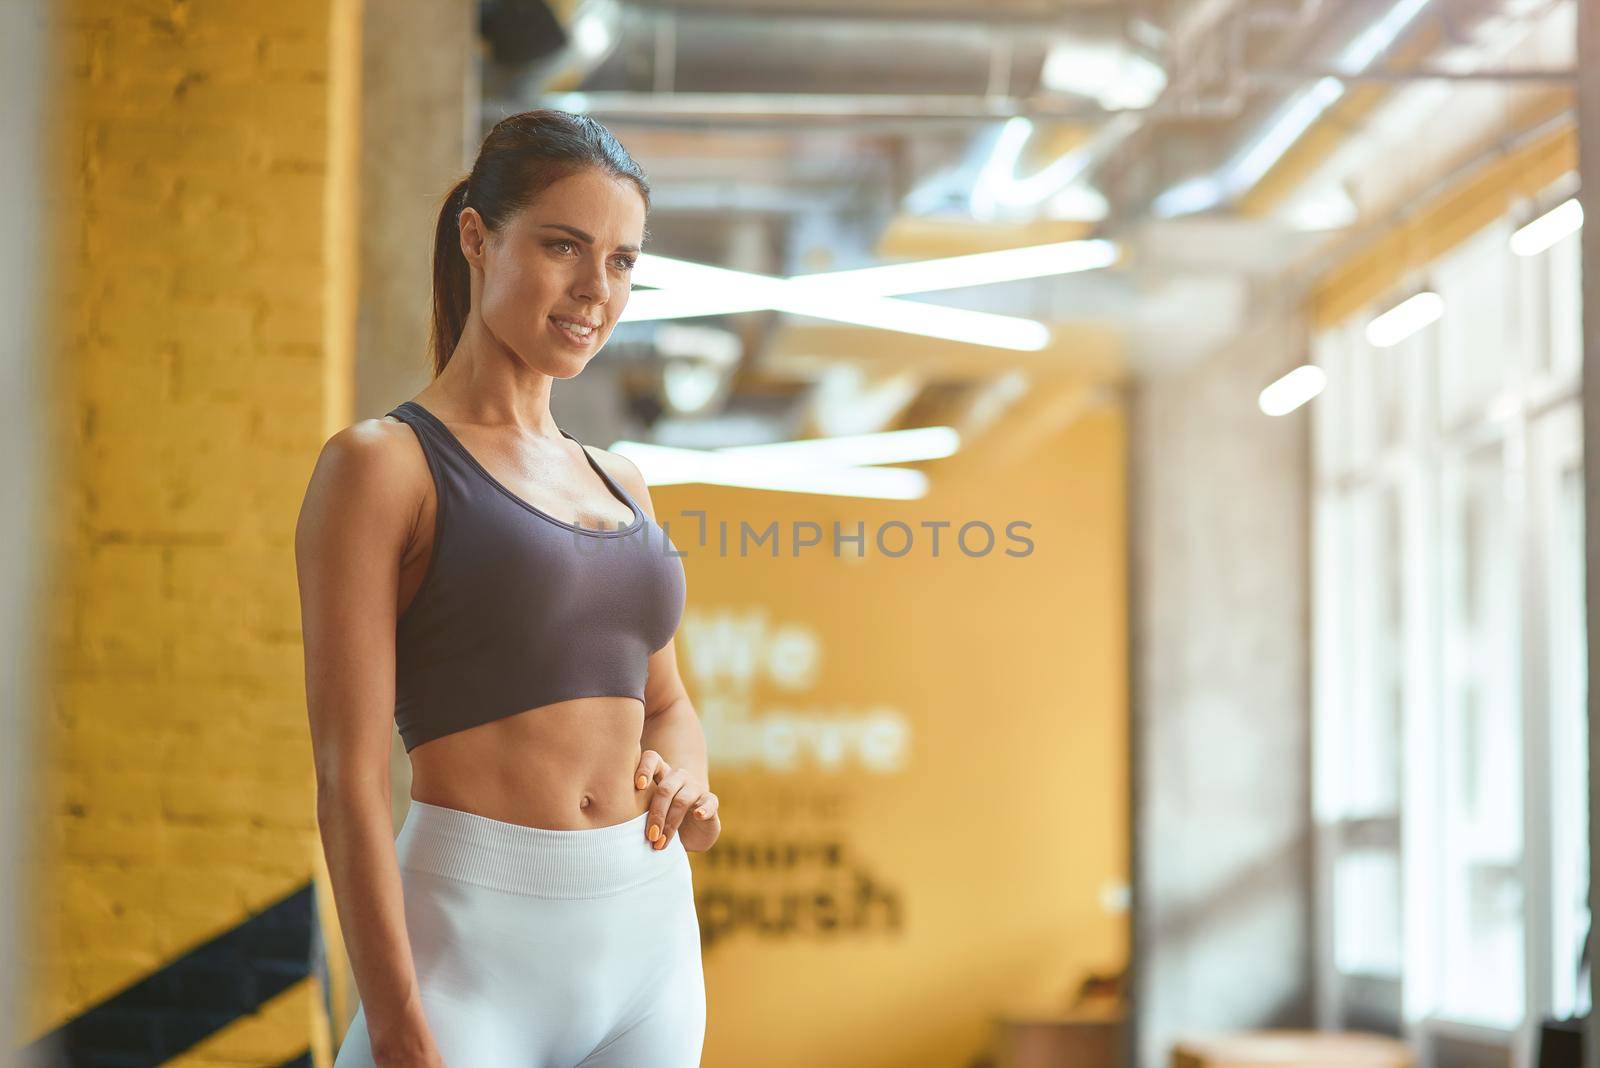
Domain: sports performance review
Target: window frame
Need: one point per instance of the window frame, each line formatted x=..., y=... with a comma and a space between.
x=1533, y=416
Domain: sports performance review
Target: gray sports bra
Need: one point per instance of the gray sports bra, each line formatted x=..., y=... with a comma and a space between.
x=520, y=609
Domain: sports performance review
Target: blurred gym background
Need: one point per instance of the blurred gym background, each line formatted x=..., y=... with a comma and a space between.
x=1265, y=317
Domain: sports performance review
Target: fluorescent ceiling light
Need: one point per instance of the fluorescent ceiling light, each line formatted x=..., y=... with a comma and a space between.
x=997, y=184
x=1291, y=121
x=976, y=269
x=837, y=466
x=1292, y=390
x=1079, y=203
x=854, y=450
x=1371, y=42
x=692, y=289
x=746, y=292
x=667, y=466
x=1187, y=197
x=1560, y=221
x=1404, y=319
x=1113, y=75
x=998, y=188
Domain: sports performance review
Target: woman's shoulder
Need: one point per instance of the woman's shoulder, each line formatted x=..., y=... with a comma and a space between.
x=366, y=491
x=368, y=446
x=370, y=459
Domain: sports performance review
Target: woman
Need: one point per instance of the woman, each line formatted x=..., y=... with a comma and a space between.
x=504, y=593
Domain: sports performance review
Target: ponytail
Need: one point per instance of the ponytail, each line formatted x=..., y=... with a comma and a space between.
x=452, y=279
x=522, y=156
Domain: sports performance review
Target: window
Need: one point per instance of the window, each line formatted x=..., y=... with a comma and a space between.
x=1479, y=755
x=1566, y=748
x=1449, y=681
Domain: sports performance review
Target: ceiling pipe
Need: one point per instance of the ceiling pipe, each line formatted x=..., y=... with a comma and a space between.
x=1001, y=53
x=898, y=14
x=1519, y=74
x=983, y=107
x=1315, y=80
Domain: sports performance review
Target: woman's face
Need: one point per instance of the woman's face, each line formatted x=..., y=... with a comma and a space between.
x=569, y=257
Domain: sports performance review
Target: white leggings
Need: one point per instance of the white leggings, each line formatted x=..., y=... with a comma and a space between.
x=539, y=948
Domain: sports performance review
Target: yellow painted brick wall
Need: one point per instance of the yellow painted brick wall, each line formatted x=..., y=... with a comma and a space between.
x=202, y=356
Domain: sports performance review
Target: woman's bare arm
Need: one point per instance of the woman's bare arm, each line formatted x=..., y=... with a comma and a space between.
x=354, y=524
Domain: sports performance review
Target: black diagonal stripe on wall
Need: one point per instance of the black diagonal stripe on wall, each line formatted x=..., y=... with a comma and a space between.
x=160, y=1016
x=302, y=1061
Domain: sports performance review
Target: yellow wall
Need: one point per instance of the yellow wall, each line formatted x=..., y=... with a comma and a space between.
x=199, y=362
x=986, y=853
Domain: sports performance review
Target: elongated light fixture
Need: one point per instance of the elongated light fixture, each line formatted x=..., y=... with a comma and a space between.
x=893, y=279
x=837, y=466
x=698, y=289
x=1560, y=221
x=976, y=269
x=664, y=465
x=1292, y=390
x=854, y=450
x=1404, y=319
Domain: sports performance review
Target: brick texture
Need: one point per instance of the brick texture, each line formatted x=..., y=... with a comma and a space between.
x=190, y=379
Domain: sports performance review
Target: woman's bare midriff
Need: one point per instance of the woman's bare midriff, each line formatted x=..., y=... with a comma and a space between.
x=565, y=766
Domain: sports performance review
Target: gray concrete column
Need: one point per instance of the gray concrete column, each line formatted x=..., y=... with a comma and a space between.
x=419, y=133
x=1221, y=719
x=1589, y=197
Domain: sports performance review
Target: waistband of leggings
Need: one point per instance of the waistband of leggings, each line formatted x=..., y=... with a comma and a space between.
x=538, y=861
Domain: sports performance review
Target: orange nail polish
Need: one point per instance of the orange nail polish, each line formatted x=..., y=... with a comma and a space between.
x=643, y=781
x=653, y=833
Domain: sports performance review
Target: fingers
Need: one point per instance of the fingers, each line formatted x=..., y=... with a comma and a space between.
x=667, y=807
x=651, y=766
x=706, y=808
x=685, y=803
x=674, y=795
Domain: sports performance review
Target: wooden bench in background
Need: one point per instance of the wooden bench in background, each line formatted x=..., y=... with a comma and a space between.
x=1293, y=1049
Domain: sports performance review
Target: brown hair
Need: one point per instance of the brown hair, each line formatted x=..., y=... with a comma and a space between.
x=523, y=155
